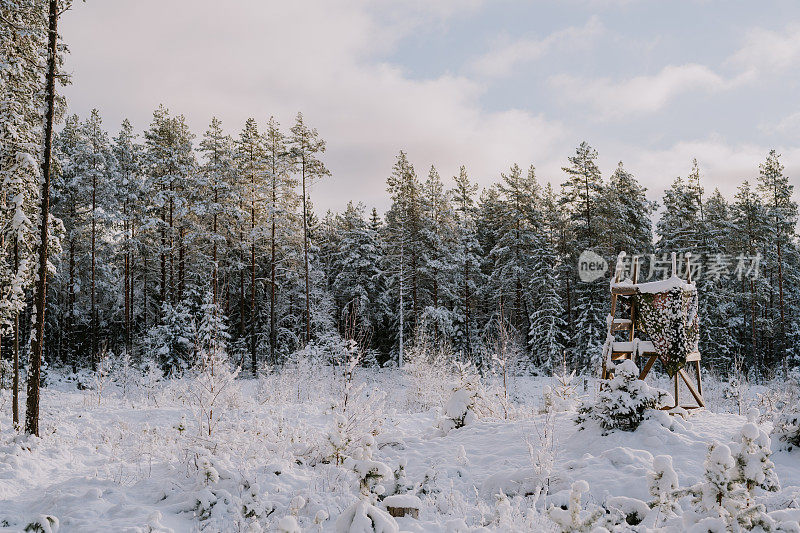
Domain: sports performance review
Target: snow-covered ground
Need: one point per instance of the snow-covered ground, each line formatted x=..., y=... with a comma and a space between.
x=131, y=457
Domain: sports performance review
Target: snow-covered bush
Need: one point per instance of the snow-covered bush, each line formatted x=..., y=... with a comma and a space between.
x=468, y=400
x=663, y=484
x=372, y=475
x=751, y=450
x=102, y=377
x=358, y=413
x=430, y=372
x=170, y=340
x=575, y=518
x=561, y=395
x=787, y=431
x=364, y=517
x=623, y=402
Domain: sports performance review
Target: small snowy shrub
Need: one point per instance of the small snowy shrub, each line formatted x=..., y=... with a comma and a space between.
x=372, y=474
x=787, y=431
x=102, y=375
x=357, y=415
x=624, y=401
x=363, y=517
x=467, y=403
x=561, y=395
x=575, y=518
x=430, y=373
x=662, y=484
x=751, y=450
x=211, y=390
x=169, y=341
x=43, y=524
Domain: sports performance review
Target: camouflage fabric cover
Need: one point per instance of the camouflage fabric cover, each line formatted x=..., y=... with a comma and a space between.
x=670, y=319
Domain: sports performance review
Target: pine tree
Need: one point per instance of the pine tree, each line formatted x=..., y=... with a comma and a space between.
x=44, y=222
x=217, y=197
x=97, y=166
x=436, y=261
x=625, y=212
x=306, y=145
x=250, y=158
x=130, y=193
x=520, y=233
x=356, y=273
x=750, y=227
x=23, y=39
x=467, y=258
x=169, y=163
x=581, y=196
x=281, y=196
x=403, y=229
x=782, y=211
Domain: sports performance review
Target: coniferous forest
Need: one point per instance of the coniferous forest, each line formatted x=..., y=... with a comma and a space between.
x=199, y=347
x=156, y=226
x=151, y=229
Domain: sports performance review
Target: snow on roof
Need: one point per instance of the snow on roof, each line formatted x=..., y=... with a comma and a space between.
x=653, y=287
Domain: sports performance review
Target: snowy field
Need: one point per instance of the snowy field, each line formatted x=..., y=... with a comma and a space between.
x=286, y=450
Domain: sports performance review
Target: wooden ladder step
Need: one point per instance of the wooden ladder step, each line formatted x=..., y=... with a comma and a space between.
x=645, y=347
x=619, y=324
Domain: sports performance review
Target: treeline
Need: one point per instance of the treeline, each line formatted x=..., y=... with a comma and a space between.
x=158, y=226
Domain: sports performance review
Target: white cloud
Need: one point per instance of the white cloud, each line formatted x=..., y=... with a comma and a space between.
x=640, y=94
x=504, y=59
x=723, y=165
x=769, y=51
x=236, y=60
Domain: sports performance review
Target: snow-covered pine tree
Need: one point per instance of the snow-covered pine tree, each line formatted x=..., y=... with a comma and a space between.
x=253, y=194
x=23, y=35
x=582, y=196
x=96, y=167
x=403, y=240
x=437, y=261
x=625, y=212
x=547, y=336
x=171, y=341
x=129, y=203
x=717, y=305
x=776, y=192
x=356, y=274
x=306, y=147
x=169, y=162
x=281, y=198
x=217, y=195
x=750, y=227
x=467, y=258
x=513, y=254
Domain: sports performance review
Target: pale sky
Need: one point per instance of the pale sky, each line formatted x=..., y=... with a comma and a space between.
x=480, y=83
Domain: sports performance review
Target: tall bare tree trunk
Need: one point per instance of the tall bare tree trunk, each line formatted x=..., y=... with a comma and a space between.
x=94, y=239
x=126, y=277
x=305, y=254
x=71, y=305
x=171, y=244
x=253, y=291
x=272, y=336
x=34, y=376
x=181, y=262
x=15, y=378
x=214, y=245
